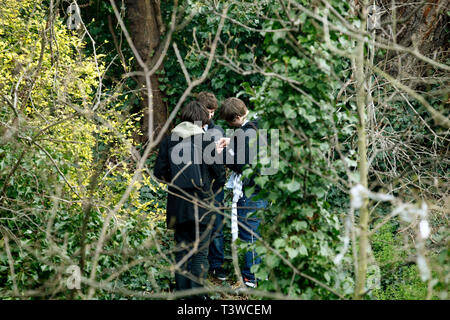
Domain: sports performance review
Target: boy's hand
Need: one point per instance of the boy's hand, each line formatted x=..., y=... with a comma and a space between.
x=218, y=149
x=223, y=142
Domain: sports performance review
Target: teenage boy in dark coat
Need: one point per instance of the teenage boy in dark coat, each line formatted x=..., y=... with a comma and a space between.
x=185, y=214
x=214, y=132
x=240, y=151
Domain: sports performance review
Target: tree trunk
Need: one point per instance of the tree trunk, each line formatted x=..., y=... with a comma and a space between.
x=146, y=27
x=420, y=24
x=360, y=80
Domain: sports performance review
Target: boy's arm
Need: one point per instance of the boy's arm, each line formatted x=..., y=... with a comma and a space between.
x=218, y=174
x=162, y=165
x=231, y=153
x=216, y=171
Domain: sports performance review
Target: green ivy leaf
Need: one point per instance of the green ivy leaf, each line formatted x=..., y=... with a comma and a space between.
x=292, y=252
x=302, y=250
x=278, y=243
x=300, y=225
x=293, y=186
x=289, y=112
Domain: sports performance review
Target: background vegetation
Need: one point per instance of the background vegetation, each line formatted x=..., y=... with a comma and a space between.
x=360, y=99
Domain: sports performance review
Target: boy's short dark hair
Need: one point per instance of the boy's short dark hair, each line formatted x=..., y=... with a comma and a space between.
x=232, y=108
x=208, y=99
x=195, y=112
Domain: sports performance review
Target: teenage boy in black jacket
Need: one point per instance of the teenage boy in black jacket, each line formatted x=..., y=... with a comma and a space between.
x=214, y=132
x=239, y=151
x=184, y=213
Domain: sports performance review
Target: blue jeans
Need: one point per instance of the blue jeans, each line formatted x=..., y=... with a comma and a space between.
x=216, y=255
x=244, y=207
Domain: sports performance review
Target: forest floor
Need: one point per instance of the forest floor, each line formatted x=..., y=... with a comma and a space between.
x=230, y=283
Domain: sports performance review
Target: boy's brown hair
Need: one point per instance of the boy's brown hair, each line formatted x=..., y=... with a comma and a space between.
x=194, y=111
x=208, y=99
x=232, y=108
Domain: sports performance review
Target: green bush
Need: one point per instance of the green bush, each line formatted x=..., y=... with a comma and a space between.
x=399, y=280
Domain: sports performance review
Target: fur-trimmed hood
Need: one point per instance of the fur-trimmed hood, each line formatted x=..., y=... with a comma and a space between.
x=186, y=129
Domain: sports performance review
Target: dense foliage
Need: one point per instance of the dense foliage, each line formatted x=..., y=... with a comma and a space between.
x=51, y=165
x=73, y=191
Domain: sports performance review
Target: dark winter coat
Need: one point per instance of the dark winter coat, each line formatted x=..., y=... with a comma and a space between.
x=246, y=151
x=180, y=206
x=213, y=134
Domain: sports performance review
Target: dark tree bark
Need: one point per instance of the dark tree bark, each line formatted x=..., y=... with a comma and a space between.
x=422, y=24
x=146, y=27
x=425, y=23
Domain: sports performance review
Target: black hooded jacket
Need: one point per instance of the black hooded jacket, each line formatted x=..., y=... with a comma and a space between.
x=242, y=151
x=213, y=134
x=180, y=206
